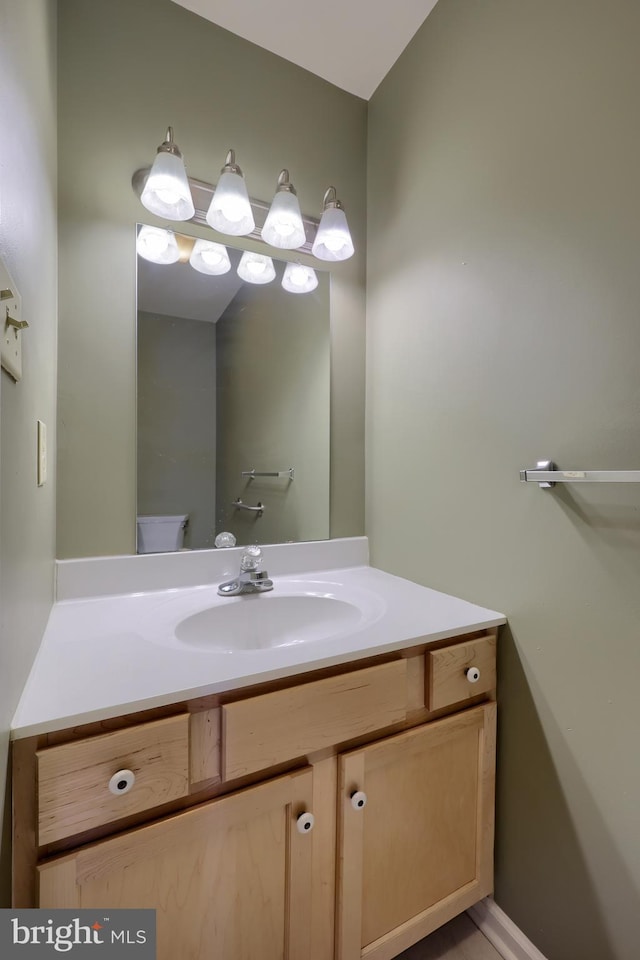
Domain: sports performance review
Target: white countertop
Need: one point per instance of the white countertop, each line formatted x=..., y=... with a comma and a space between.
x=106, y=656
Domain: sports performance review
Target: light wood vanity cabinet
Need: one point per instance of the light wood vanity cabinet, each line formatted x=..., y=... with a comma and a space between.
x=394, y=760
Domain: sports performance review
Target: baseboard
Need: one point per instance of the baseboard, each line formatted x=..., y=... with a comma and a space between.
x=508, y=940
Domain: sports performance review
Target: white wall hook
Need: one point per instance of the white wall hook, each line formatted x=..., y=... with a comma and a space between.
x=11, y=325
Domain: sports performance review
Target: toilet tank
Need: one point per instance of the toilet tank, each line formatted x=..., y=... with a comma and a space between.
x=161, y=534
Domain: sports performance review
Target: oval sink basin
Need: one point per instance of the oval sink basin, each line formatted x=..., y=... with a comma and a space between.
x=267, y=621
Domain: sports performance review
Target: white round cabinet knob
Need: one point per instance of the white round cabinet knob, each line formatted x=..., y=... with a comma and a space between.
x=121, y=782
x=305, y=822
x=472, y=674
x=358, y=799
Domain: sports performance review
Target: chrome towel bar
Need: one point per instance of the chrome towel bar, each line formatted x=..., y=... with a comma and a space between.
x=546, y=475
x=250, y=474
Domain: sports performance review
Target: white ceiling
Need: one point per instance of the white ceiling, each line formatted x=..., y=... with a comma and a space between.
x=351, y=43
x=177, y=290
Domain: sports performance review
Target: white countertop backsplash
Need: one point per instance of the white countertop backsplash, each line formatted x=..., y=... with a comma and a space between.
x=105, y=576
x=110, y=648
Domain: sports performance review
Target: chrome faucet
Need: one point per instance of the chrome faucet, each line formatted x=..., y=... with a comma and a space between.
x=250, y=579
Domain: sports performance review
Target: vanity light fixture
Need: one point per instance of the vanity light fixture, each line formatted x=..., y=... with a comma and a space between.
x=230, y=208
x=299, y=279
x=256, y=268
x=209, y=257
x=283, y=227
x=157, y=245
x=166, y=192
x=333, y=239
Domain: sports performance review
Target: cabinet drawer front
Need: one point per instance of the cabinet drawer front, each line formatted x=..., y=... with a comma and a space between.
x=448, y=681
x=73, y=778
x=263, y=731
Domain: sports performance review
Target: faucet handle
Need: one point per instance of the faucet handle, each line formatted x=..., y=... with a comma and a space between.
x=251, y=559
x=225, y=539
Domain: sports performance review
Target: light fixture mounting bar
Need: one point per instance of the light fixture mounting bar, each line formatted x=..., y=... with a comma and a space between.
x=202, y=192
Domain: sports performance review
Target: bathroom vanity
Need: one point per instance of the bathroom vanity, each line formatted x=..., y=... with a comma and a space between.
x=337, y=808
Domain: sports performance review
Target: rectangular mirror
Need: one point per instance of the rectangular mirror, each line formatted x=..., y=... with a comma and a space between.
x=233, y=397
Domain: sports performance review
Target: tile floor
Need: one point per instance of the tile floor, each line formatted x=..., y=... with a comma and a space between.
x=458, y=940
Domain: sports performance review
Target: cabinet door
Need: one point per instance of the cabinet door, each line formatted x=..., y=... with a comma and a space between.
x=420, y=850
x=230, y=878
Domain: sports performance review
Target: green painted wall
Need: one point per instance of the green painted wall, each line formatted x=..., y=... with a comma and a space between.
x=503, y=326
x=128, y=69
x=28, y=248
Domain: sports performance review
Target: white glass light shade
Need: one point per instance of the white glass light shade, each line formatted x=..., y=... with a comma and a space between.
x=299, y=279
x=166, y=192
x=157, y=245
x=283, y=227
x=255, y=268
x=333, y=239
x=230, y=210
x=209, y=257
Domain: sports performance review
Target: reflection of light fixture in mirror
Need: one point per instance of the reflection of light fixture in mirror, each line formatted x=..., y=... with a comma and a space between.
x=333, y=239
x=209, y=257
x=255, y=268
x=283, y=227
x=157, y=245
x=299, y=279
x=230, y=210
x=166, y=192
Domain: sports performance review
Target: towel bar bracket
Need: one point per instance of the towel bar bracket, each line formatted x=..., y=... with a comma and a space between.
x=548, y=466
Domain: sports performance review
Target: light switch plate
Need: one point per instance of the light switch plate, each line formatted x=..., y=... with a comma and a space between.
x=10, y=337
x=42, y=453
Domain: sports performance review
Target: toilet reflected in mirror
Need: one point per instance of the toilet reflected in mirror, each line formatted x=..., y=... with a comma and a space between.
x=161, y=534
